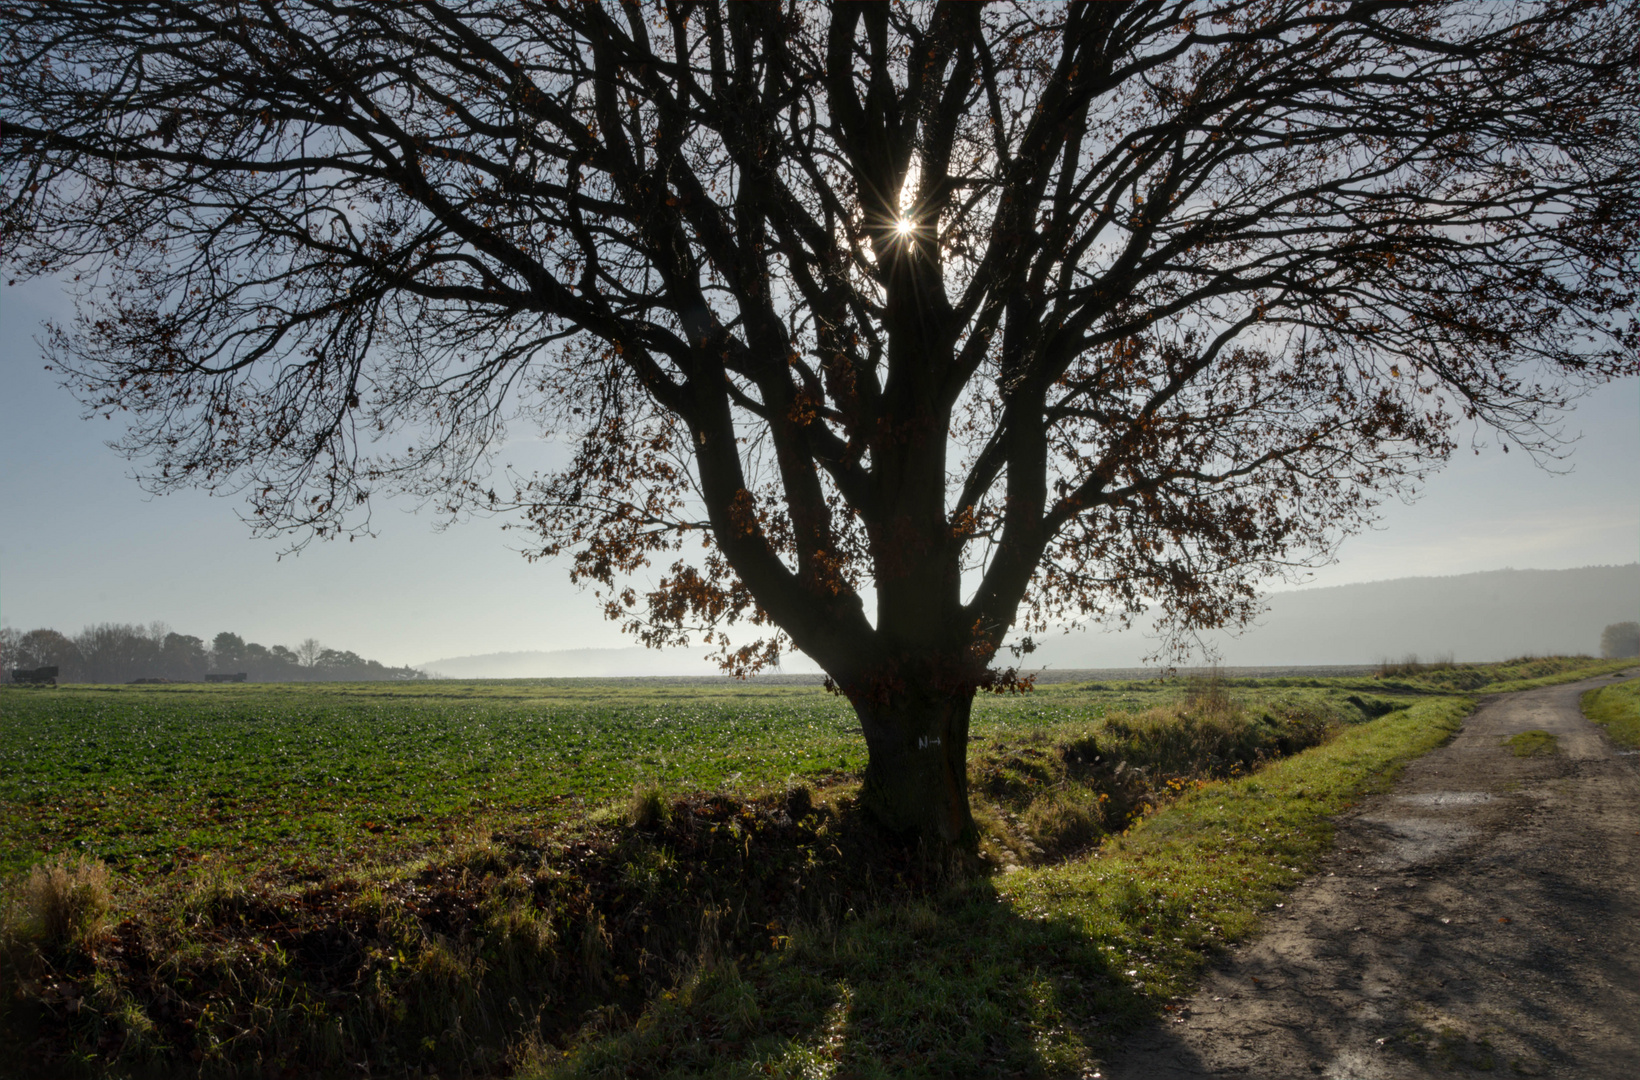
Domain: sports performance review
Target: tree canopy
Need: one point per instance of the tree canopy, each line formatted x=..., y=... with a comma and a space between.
x=885, y=329
x=1620, y=639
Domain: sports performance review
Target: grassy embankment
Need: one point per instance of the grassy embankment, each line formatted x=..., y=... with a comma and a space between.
x=1029, y=973
x=1617, y=709
x=670, y=934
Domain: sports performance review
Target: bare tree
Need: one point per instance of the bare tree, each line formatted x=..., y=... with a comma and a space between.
x=117, y=652
x=308, y=652
x=881, y=329
x=11, y=651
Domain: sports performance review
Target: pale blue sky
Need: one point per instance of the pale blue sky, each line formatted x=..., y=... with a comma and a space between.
x=80, y=543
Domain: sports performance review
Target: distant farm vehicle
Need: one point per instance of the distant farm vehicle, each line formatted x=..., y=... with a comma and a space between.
x=40, y=676
x=225, y=677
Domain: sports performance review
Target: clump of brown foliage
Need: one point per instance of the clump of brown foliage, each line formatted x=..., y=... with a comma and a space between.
x=67, y=901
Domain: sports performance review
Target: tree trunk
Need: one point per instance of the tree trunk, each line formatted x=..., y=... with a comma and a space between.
x=917, y=765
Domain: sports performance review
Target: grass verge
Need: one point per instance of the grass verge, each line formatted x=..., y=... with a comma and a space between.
x=1521, y=673
x=1030, y=973
x=1617, y=709
x=1552, y=671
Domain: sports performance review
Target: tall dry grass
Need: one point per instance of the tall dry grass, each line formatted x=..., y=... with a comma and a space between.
x=1410, y=664
x=67, y=901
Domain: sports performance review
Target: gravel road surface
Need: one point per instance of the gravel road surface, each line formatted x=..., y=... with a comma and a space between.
x=1481, y=917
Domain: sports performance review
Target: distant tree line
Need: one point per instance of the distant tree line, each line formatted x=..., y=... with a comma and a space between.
x=122, y=652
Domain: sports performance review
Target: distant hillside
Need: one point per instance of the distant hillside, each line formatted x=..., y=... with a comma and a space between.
x=633, y=662
x=570, y=663
x=1487, y=616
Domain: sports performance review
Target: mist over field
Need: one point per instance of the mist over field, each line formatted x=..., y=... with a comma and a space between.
x=634, y=661
x=1494, y=615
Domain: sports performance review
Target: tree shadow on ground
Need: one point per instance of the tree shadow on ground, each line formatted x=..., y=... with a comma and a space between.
x=963, y=983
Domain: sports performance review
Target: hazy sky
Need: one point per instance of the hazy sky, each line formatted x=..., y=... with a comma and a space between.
x=80, y=542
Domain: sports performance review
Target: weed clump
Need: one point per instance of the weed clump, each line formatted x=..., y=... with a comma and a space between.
x=1065, y=820
x=649, y=808
x=1209, y=696
x=799, y=801
x=213, y=897
x=68, y=901
x=1534, y=743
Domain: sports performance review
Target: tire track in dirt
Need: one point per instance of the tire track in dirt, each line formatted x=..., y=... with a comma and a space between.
x=1481, y=917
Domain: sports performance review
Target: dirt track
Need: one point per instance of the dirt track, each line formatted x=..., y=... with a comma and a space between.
x=1484, y=916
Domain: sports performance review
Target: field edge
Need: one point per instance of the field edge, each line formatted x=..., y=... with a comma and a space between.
x=1036, y=972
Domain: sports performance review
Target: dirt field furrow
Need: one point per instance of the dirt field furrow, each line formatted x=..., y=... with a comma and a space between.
x=1483, y=916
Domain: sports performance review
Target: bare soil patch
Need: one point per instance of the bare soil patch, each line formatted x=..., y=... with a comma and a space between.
x=1483, y=916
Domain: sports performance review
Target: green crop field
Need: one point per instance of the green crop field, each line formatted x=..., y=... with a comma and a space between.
x=146, y=777
x=152, y=777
